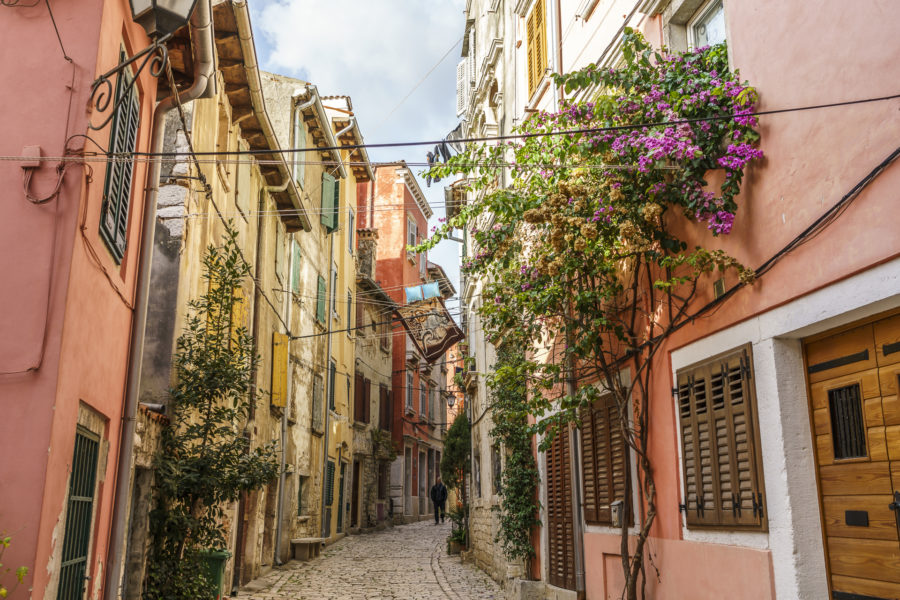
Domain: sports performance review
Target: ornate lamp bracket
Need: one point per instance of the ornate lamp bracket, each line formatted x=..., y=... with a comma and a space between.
x=156, y=55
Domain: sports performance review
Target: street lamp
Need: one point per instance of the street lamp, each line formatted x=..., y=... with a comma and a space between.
x=161, y=17
x=451, y=401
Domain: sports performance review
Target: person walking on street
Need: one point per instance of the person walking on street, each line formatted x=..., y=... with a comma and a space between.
x=438, y=498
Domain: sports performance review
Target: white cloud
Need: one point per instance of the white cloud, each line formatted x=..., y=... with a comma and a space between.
x=374, y=51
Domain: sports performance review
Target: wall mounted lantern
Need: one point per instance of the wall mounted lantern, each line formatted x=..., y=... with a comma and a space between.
x=161, y=19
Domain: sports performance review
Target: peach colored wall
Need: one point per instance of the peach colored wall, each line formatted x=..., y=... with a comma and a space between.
x=687, y=570
x=812, y=159
x=794, y=57
x=87, y=325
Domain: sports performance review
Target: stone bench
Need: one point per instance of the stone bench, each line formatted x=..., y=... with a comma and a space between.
x=306, y=548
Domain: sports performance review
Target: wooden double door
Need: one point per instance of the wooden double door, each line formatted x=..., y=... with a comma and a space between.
x=853, y=376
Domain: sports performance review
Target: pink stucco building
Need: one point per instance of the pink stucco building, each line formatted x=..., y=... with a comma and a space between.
x=69, y=263
x=812, y=450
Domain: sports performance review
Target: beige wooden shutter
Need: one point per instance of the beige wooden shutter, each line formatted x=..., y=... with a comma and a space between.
x=540, y=42
x=279, y=369
x=529, y=49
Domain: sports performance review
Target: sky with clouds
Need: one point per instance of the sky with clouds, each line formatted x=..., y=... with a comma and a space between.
x=376, y=52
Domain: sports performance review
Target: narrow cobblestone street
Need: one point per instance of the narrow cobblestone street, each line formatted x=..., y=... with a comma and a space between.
x=404, y=562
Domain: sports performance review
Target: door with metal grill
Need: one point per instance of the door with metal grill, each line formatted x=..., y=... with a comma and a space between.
x=853, y=380
x=79, y=517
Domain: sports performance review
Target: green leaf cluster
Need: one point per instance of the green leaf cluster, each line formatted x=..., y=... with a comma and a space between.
x=205, y=461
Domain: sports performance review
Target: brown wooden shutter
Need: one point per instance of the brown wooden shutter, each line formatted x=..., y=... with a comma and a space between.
x=604, y=460
x=590, y=448
x=358, y=410
x=367, y=397
x=719, y=436
x=360, y=316
x=561, y=550
x=385, y=408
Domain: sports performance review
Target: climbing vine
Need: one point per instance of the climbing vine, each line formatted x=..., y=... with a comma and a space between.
x=204, y=461
x=518, y=509
x=594, y=253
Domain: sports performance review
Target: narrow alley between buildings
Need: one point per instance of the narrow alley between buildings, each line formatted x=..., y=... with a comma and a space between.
x=403, y=562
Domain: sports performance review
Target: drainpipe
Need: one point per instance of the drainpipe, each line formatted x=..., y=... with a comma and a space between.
x=329, y=383
x=202, y=35
x=286, y=306
x=254, y=334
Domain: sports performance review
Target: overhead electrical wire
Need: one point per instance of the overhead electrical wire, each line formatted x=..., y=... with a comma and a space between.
x=480, y=139
x=536, y=134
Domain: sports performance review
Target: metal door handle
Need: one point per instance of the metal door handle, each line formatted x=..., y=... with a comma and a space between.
x=895, y=506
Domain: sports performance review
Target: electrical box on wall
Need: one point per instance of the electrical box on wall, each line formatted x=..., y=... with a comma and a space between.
x=31, y=157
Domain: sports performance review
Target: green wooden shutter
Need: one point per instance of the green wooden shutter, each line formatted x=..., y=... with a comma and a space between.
x=79, y=512
x=295, y=268
x=336, y=207
x=117, y=186
x=328, y=205
x=320, y=300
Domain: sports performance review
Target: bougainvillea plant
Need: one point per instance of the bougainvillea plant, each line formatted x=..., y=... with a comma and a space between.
x=593, y=253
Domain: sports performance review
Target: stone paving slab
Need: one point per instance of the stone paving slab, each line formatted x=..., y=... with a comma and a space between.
x=406, y=562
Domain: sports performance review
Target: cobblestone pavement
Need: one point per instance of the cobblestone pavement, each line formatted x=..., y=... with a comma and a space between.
x=406, y=562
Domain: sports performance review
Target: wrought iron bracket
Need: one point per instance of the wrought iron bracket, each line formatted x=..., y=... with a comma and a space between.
x=156, y=55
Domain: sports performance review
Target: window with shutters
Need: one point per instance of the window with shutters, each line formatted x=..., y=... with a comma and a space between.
x=117, y=185
x=321, y=292
x=360, y=322
x=462, y=88
x=604, y=459
x=423, y=401
x=318, y=395
x=299, y=141
x=723, y=480
x=536, y=32
x=476, y=474
x=330, y=192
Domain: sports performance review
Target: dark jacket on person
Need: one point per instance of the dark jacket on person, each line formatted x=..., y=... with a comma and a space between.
x=439, y=493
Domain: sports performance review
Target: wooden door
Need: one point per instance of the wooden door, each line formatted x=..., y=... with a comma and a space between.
x=560, y=535
x=853, y=379
x=354, y=496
